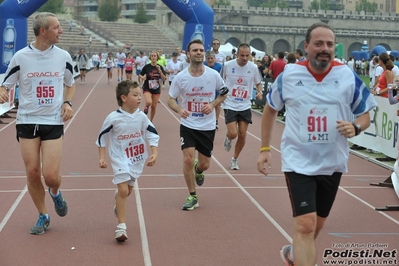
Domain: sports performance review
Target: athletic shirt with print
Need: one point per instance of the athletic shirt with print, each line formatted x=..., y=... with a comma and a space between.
x=129, y=64
x=311, y=144
x=41, y=76
x=109, y=62
x=220, y=58
x=195, y=92
x=173, y=66
x=241, y=81
x=120, y=57
x=127, y=135
x=153, y=76
x=141, y=62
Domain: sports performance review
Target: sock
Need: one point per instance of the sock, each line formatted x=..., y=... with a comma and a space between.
x=292, y=253
x=45, y=214
x=198, y=170
x=193, y=193
x=122, y=226
x=51, y=193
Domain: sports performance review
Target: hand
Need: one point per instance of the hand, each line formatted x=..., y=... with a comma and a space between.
x=346, y=128
x=67, y=112
x=264, y=157
x=184, y=113
x=151, y=160
x=3, y=95
x=259, y=95
x=207, y=108
x=103, y=163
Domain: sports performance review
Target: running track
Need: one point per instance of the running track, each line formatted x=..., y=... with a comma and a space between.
x=244, y=218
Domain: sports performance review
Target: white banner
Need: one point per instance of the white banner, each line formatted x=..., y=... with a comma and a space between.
x=382, y=135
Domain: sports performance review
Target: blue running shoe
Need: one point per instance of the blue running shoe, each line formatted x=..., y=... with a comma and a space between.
x=42, y=225
x=60, y=205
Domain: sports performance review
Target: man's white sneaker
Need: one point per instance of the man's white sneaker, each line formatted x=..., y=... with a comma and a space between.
x=234, y=164
x=227, y=144
x=120, y=235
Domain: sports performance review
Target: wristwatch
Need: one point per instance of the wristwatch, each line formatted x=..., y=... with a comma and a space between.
x=68, y=102
x=358, y=128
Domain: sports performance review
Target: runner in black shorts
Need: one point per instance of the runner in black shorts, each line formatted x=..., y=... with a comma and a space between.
x=44, y=132
x=235, y=116
x=202, y=140
x=305, y=191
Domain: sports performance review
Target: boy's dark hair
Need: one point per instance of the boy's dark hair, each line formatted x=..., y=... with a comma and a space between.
x=123, y=88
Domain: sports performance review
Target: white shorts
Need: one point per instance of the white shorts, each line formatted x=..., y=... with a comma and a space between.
x=122, y=178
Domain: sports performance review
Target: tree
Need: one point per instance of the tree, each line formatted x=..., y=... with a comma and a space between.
x=53, y=6
x=366, y=6
x=275, y=3
x=109, y=10
x=323, y=5
x=222, y=2
x=141, y=14
x=256, y=3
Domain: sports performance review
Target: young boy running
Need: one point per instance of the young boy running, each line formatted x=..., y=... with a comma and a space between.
x=128, y=130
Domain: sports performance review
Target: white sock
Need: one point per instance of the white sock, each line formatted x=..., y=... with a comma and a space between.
x=46, y=214
x=122, y=226
x=51, y=193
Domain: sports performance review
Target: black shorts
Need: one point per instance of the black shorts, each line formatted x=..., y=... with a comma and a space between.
x=156, y=91
x=44, y=132
x=235, y=116
x=312, y=193
x=128, y=71
x=202, y=140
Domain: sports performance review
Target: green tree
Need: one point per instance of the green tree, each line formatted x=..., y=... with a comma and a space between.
x=274, y=3
x=141, y=14
x=366, y=6
x=316, y=5
x=109, y=10
x=53, y=6
x=256, y=3
x=222, y=2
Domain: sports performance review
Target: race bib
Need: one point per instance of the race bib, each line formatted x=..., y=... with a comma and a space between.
x=239, y=93
x=134, y=152
x=153, y=84
x=44, y=92
x=195, y=107
x=318, y=123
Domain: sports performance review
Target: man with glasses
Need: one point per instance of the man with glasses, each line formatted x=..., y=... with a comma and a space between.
x=220, y=57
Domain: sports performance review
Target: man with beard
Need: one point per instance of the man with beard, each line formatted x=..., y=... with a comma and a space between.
x=196, y=85
x=326, y=104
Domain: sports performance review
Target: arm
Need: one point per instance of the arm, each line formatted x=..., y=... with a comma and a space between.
x=268, y=120
x=176, y=108
x=259, y=89
x=3, y=95
x=67, y=112
x=102, y=161
x=348, y=129
x=153, y=157
x=392, y=99
x=208, y=108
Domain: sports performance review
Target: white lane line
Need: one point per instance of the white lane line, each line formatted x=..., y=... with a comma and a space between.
x=143, y=230
x=23, y=192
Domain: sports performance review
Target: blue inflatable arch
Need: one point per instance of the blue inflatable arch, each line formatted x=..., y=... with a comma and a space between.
x=198, y=17
x=13, y=27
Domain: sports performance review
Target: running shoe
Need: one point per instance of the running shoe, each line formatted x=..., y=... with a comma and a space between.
x=120, y=235
x=191, y=203
x=285, y=255
x=42, y=225
x=234, y=164
x=60, y=205
x=199, y=177
x=227, y=144
x=146, y=110
x=115, y=194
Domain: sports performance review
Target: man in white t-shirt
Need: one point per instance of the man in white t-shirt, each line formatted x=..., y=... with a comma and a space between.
x=327, y=104
x=240, y=76
x=172, y=67
x=180, y=56
x=196, y=86
x=120, y=57
x=220, y=57
x=140, y=62
x=46, y=90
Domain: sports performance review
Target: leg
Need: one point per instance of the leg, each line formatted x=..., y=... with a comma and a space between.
x=148, y=100
x=188, y=165
x=203, y=162
x=51, y=156
x=155, y=98
x=304, y=239
x=232, y=130
x=124, y=191
x=30, y=150
x=242, y=135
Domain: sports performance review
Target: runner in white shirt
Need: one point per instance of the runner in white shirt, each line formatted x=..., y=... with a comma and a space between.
x=180, y=56
x=196, y=87
x=128, y=154
x=220, y=57
x=120, y=57
x=140, y=62
x=173, y=67
x=46, y=90
x=241, y=76
x=327, y=103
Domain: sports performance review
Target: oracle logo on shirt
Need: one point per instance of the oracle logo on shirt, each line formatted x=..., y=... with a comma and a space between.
x=130, y=136
x=48, y=74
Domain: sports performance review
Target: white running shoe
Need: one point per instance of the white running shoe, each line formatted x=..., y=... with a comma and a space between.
x=234, y=164
x=120, y=235
x=227, y=144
